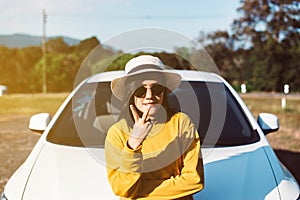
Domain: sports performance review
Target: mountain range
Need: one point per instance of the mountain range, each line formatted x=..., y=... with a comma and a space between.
x=24, y=40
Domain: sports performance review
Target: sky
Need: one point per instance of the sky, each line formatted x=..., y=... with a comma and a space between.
x=105, y=19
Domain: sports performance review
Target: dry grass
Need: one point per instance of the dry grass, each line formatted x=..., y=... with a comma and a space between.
x=288, y=136
x=28, y=104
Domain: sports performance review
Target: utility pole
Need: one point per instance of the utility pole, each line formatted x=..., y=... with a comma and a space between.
x=44, y=50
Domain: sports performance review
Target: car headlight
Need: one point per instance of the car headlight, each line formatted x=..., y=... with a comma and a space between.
x=3, y=197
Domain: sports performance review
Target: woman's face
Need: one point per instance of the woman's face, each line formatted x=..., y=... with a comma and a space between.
x=150, y=94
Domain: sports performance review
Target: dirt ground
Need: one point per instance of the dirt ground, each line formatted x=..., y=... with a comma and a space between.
x=16, y=142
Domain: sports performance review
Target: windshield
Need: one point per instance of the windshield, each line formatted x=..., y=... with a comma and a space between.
x=86, y=122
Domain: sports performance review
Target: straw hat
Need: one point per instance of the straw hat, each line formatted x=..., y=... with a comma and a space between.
x=145, y=67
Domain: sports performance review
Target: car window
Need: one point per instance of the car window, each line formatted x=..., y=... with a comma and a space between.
x=93, y=109
x=215, y=107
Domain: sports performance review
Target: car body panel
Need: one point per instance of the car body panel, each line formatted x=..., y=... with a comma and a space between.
x=58, y=174
x=238, y=173
x=287, y=185
x=17, y=183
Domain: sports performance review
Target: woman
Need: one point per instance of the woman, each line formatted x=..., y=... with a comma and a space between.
x=152, y=152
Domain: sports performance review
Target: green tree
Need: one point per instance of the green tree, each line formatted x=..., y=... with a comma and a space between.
x=15, y=67
x=220, y=46
x=264, y=19
x=271, y=30
x=262, y=48
x=58, y=45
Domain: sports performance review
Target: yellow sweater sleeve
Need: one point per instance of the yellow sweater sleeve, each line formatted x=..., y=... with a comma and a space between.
x=123, y=165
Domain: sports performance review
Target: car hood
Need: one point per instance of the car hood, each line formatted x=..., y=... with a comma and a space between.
x=63, y=172
x=238, y=173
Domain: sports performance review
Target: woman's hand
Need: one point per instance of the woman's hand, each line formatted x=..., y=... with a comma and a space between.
x=141, y=127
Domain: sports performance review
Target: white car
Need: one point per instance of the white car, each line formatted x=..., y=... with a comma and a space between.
x=68, y=160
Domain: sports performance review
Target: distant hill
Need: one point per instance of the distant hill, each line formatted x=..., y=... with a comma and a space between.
x=23, y=40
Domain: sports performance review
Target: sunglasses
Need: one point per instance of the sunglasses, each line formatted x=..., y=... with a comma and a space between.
x=156, y=90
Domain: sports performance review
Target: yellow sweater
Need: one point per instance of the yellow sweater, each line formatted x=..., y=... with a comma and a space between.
x=166, y=166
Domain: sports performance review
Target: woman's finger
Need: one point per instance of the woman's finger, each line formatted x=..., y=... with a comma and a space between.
x=145, y=114
x=134, y=113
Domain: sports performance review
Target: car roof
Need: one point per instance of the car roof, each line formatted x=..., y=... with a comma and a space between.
x=187, y=75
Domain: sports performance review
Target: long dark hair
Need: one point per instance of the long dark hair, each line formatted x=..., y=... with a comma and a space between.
x=129, y=100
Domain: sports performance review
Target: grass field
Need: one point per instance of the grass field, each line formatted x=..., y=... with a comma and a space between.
x=28, y=104
x=289, y=117
x=288, y=136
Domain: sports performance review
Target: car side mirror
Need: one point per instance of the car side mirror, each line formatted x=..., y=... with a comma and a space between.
x=39, y=122
x=268, y=122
